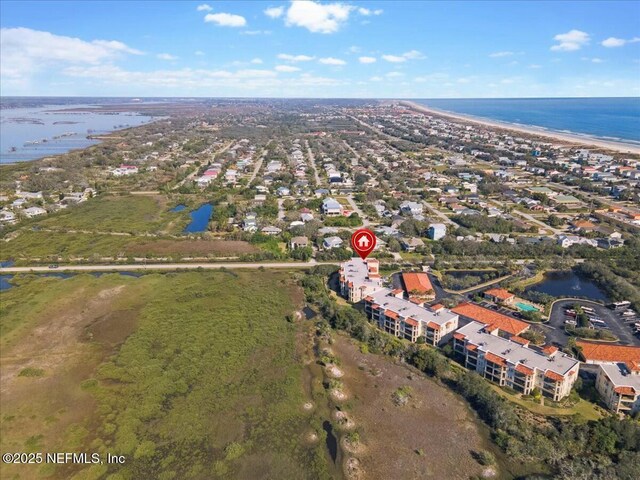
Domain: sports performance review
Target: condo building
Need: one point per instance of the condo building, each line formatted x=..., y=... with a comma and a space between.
x=359, y=278
x=510, y=362
x=619, y=386
x=410, y=319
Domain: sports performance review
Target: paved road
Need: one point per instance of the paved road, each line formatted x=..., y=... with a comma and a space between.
x=258, y=166
x=529, y=217
x=281, y=212
x=195, y=172
x=312, y=164
x=439, y=214
x=355, y=208
x=161, y=266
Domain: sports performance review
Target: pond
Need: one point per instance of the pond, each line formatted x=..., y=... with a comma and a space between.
x=178, y=208
x=332, y=441
x=199, y=219
x=568, y=284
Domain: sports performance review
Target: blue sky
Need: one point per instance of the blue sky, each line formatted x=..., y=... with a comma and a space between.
x=385, y=49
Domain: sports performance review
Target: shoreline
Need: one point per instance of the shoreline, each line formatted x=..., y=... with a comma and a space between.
x=569, y=138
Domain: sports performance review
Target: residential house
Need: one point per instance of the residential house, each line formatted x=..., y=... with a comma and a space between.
x=331, y=207
x=298, y=242
x=437, y=231
x=332, y=242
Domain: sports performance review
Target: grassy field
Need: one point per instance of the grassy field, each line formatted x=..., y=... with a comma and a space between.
x=585, y=409
x=43, y=245
x=129, y=213
x=190, y=375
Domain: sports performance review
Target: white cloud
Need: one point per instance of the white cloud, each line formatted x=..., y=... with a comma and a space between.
x=592, y=60
x=367, y=59
x=410, y=55
x=318, y=17
x=204, y=8
x=535, y=65
x=376, y=79
x=26, y=51
x=274, y=12
x=166, y=56
x=500, y=54
x=332, y=61
x=394, y=58
x=367, y=12
x=225, y=19
x=295, y=58
x=413, y=55
x=394, y=74
x=618, y=42
x=256, y=61
x=199, y=53
x=255, y=32
x=570, y=41
x=286, y=68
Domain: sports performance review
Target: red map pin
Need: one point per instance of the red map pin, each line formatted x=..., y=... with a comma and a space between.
x=363, y=241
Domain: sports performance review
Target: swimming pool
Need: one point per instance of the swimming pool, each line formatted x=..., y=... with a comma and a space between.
x=525, y=307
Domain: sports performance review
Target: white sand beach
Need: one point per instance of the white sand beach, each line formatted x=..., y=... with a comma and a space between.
x=565, y=138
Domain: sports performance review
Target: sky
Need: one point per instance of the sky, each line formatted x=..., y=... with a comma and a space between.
x=367, y=49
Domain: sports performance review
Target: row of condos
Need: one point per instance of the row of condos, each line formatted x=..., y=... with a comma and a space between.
x=489, y=342
x=410, y=319
x=511, y=362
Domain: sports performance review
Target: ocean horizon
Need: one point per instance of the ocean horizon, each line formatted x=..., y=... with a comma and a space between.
x=610, y=118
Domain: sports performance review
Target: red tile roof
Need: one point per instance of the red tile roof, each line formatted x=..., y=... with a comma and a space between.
x=368, y=298
x=471, y=347
x=500, y=293
x=549, y=350
x=391, y=314
x=433, y=325
x=490, y=357
x=459, y=336
x=418, y=282
x=625, y=390
x=437, y=307
x=520, y=340
x=489, y=317
x=553, y=376
x=411, y=321
x=604, y=352
x=523, y=369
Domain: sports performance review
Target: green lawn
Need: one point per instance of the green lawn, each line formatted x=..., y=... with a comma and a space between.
x=208, y=384
x=583, y=408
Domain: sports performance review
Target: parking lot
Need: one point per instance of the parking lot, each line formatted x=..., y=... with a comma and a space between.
x=617, y=325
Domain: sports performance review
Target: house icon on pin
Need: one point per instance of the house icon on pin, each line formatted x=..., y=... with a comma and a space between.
x=363, y=242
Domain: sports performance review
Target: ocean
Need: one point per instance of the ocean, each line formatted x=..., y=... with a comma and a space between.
x=606, y=118
x=35, y=132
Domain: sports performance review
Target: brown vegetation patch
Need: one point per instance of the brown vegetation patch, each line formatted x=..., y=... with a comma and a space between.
x=431, y=437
